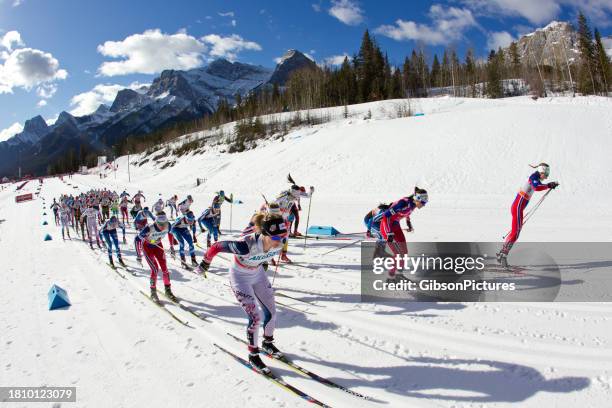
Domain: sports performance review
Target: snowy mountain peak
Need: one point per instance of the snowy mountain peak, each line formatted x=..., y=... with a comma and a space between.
x=292, y=60
x=127, y=99
x=63, y=118
x=33, y=130
x=233, y=71
x=102, y=109
x=36, y=126
x=550, y=44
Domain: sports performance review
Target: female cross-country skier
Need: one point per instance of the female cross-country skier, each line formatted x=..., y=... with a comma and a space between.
x=208, y=220
x=159, y=206
x=91, y=216
x=533, y=183
x=108, y=232
x=286, y=200
x=171, y=203
x=149, y=242
x=249, y=281
x=389, y=219
x=65, y=214
x=180, y=229
x=55, y=207
x=216, y=204
x=123, y=206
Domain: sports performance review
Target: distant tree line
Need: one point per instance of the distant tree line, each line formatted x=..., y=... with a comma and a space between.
x=369, y=76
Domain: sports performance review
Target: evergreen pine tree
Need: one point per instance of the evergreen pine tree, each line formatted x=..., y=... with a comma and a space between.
x=586, y=80
x=603, y=63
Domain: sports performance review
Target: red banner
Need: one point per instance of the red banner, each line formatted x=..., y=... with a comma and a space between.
x=23, y=197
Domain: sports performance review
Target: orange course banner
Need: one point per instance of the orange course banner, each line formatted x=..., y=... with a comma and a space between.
x=23, y=197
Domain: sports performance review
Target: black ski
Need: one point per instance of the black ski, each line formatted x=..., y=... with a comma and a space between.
x=161, y=306
x=272, y=377
x=305, y=372
x=114, y=268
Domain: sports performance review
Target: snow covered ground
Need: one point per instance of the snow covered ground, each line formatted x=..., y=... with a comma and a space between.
x=471, y=155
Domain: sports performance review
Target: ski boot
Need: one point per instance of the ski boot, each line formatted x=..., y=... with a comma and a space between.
x=203, y=267
x=273, y=262
x=112, y=264
x=195, y=239
x=284, y=258
x=172, y=252
x=269, y=348
x=208, y=243
x=258, y=365
x=194, y=262
x=154, y=296
x=121, y=261
x=169, y=293
x=502, y=259
x=184, y=262
x=91, y=246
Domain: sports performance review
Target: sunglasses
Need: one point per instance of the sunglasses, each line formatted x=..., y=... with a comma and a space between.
x=277, y=237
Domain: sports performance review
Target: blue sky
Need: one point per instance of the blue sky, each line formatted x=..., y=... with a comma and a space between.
x=74, y=54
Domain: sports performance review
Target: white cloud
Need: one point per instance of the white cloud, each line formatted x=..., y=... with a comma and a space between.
x=27, y=68
x=10, y=131
x=347, y=11
x=17, y=3
x=228, y=14
x=228, y=47
x=498, y=39
x=10, y=39
x=87, y=102
x=335, y=59
x=233, y=23
x=151, y=52
x=316, y=7
x=448, y=24
x=46, y=91
x=542, y=11
x=41, y=103
x=52, y=120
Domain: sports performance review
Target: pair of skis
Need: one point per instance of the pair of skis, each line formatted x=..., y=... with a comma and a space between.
x=285, y=385
x=180, y=305
x=305, y=372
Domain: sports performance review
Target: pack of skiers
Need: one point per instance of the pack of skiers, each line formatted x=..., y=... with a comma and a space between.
x=263, y=242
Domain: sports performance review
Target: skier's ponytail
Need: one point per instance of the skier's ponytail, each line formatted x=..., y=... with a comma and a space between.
x=538, y=165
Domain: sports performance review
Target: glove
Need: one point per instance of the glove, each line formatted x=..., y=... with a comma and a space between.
x=390, y=237
x=368, y=234
x=552, y=185
x=265, y=266
x=311, y=189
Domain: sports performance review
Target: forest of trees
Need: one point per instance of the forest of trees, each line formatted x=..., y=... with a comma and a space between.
x=369, y=76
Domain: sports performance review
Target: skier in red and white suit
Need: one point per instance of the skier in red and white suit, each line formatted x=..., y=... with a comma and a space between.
x=533, y=184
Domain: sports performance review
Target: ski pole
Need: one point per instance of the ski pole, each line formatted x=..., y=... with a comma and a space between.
x=231, y=206
x=308, y=219
x=343, y=246
x=530, y=213
x=276, y=268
